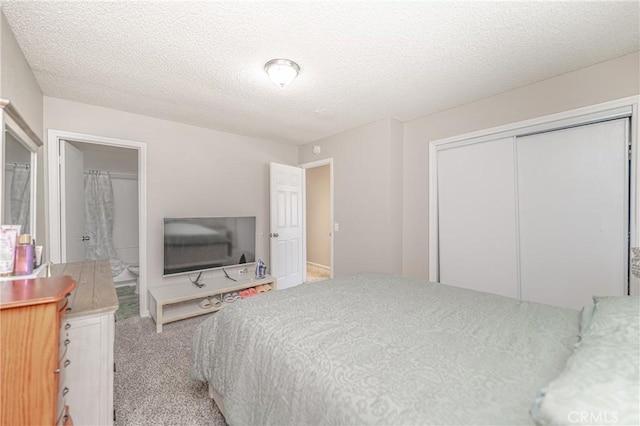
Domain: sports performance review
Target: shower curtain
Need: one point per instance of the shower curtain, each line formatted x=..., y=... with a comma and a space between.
x=20, y=195
x=98, y=195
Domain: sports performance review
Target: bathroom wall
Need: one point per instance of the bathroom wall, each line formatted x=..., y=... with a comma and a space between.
x=125, y=217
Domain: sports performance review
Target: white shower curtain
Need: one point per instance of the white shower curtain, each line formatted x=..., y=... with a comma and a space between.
x=98, y=195
x=20, y=195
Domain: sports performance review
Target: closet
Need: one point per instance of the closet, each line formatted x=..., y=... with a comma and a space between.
x=539, y=213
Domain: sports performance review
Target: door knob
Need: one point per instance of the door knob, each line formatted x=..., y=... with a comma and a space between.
x=274, y=235
x=86, y=238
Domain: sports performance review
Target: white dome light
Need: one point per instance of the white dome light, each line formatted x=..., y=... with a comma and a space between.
x=282, y=71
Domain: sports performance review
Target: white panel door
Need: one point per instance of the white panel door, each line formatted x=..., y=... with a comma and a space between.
x=477, y=218
x=72, y=203
x=286, y=224
x=573, y=213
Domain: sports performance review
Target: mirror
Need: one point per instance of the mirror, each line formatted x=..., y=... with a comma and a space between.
x=19, y=161
x=16, y=198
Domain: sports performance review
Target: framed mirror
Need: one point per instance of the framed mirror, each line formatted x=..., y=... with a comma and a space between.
x=18, y=157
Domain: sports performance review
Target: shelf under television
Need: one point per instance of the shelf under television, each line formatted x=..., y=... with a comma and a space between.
x=181, y=300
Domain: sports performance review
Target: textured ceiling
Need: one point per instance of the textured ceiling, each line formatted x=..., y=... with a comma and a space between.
x=202, y=63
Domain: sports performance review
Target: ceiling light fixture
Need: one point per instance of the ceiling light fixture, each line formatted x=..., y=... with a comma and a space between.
x=282, y=71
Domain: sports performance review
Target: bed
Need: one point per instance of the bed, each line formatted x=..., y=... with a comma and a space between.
x=383, y=349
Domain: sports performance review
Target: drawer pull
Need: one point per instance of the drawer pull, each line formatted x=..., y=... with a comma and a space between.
x=65, y=391
x=66, y=363
x=68, y=309
x=66, y=342
x=67, y=326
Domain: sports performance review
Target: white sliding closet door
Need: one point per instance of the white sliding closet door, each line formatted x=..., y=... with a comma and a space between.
x=476, y=217
x=573, y=213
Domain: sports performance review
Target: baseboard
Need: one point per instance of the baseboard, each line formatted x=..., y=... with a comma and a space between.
x=317, y=265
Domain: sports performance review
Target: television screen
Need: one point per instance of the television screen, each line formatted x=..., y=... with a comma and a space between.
x=198, y=244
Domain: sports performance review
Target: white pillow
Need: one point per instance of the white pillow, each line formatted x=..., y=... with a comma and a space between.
x=601, y=382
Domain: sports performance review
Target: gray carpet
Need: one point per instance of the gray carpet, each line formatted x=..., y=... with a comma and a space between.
x=152, y=384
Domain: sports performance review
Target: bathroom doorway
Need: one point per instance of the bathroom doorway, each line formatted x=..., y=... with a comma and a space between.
x=100, y=190
x=100, y=221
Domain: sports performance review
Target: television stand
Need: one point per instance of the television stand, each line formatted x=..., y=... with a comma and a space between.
x=174, y=302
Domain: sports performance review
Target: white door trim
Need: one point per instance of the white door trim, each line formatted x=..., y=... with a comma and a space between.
x=53, y=202
x=311, y=165
x=603, y=111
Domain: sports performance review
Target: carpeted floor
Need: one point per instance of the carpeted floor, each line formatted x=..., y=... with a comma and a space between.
x=152, y=384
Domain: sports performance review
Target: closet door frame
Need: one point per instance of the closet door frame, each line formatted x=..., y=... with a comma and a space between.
x=620, y=108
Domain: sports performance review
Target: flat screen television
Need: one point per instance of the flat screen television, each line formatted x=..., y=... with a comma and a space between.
x=202, y=243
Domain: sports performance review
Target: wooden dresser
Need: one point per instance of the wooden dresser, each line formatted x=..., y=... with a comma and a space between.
x=33, y=351
x=91, y=329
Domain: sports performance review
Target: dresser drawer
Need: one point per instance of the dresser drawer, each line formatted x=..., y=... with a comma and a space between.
x=62, y=372
x=65, y=341
x=60, y=410
x=64, y=418
x=62, y=400
x=64, y=333
x=90, y=375
x=31, y=324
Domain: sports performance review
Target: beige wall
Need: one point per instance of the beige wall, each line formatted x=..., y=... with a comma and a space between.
x=18, y=85
x=17, y=82
x=318, y=216
x=366, y=193
x=191, y=171
x=603, y=82
x=123, y=160
x=395, y=254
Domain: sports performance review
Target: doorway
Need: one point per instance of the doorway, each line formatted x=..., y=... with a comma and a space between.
x=100, y=220
x=319, y=220
x=116, y=169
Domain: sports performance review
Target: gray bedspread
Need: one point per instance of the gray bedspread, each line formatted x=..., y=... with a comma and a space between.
x=381, y=349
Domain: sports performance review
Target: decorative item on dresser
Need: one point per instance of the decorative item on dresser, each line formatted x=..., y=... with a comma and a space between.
x=91, y=328
x=34, y=356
